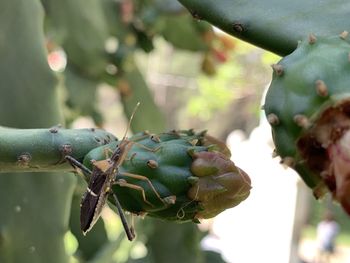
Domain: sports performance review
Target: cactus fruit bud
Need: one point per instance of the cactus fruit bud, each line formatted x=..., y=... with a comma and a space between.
x=180, y=176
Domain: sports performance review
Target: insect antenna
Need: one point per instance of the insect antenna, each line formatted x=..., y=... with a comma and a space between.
x=130, y=120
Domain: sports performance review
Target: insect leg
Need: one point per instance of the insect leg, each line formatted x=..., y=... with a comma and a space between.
x=123, y=183
x=144, y=178
x=76, y=164
x=129, y=231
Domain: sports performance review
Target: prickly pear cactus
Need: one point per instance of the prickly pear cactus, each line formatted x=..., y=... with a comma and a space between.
x=178, y=176
x=308, y=107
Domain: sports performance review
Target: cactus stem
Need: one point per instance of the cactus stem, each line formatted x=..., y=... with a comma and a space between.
x=273, y=119
x=312, y=39
x=152, y=164
x=288, y=161
x=302, y=121
x=321, y=88
x=238, y=27
x=344, y=34
x=278, y=69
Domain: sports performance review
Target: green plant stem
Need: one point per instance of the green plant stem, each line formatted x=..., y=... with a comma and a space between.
x=41, y=150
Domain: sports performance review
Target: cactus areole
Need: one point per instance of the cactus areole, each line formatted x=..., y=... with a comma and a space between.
x=178, y=176
x=308, y=107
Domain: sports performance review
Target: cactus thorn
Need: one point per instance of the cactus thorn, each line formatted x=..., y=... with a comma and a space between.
x=274, y=153
x=193, y=142
x=66, y=149
x=196, y=221
x=155, y=138
x=312, y=39
x=324, y=174
x=195, y=15
x=288, y=161
x=192, y=180
x=54, y=129
x=24, y=159
x=321, y=88
x=278, y=69
x=191, y=152
x=302, y=121
x=152, y=164
x=238, y=27
x=170, y=200
x=273, y=119
x=344, y=34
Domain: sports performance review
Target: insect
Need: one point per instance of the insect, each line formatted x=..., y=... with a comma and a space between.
x=102, y=177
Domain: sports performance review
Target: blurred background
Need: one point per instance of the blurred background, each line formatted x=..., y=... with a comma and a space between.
x=108, y=55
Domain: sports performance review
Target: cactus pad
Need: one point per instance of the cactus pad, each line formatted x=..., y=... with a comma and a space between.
x=308, y=107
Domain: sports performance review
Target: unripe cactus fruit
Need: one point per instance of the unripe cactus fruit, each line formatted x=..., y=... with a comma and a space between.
x=311, y=101
x=177, y=176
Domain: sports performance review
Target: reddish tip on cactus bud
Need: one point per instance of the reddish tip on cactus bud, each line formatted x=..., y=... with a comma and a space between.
x=221, y=184
x=278, y=69
x=219, y=146
x=344, y=34
x=302, y=121
x=321, y=88
x=273, y=119
x=312, y=39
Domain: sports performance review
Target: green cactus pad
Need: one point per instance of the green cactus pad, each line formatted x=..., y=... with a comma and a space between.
x=274, y=25
x=178, y=176
x=308, y=105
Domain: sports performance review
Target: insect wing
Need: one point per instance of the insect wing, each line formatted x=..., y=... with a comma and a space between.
x=93, y=200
